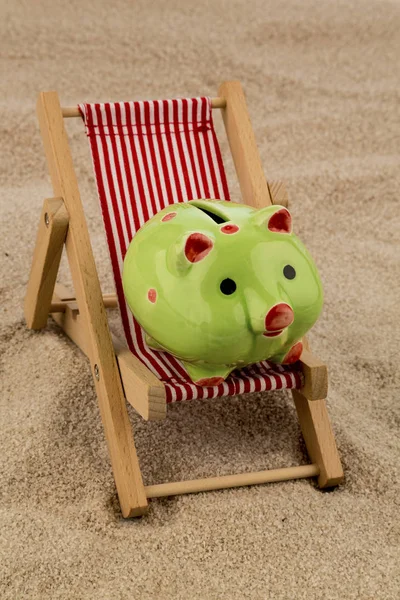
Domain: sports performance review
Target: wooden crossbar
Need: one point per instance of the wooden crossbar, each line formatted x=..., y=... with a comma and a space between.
x=73, y=111
x=230, y=481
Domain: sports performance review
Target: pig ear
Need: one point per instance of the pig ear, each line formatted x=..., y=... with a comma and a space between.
x=188, y=250
x=275, y=218
x=197, y=246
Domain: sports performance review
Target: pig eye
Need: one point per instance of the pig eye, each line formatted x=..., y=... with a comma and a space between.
x=289, y=272
x=227, y=287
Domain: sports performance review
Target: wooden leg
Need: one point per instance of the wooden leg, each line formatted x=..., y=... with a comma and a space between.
x=319, y=439
x=51, y=235
x=242, y=142
x=106, y=376
x=107, y=380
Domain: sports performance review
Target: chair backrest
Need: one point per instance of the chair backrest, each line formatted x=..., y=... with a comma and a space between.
x=148, y=155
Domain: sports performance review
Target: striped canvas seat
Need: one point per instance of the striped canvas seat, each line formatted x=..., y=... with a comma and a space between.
x=147, y=155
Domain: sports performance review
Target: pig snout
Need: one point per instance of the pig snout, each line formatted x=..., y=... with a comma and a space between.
x=278, y=318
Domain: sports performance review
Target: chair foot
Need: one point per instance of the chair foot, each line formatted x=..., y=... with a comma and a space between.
x=319, y=439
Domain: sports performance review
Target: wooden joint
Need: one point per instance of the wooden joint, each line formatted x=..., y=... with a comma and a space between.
x=109, y=301
x=70, y=319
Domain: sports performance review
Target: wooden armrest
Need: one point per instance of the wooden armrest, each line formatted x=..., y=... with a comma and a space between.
x=315, y=376
x=142, y=389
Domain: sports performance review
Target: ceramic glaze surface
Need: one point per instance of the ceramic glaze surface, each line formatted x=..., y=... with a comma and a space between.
x=221, y=285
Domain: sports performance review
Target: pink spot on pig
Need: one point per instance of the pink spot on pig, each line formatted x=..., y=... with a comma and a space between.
x=209, y=381
x=197, y=247
x=280, y=222
x=294, y=354
x=168, y=217
x=152, y=295
x=229, y=229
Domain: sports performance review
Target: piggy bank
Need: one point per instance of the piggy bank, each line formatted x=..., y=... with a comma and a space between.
x=221, y=285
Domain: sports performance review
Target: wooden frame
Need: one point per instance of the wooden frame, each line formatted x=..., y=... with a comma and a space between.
x=117, y=374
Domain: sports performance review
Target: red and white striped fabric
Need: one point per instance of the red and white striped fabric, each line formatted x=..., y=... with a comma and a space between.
x=148, y=155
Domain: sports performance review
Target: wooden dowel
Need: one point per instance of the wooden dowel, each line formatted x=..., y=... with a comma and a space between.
x=110, y=301
x=73, y=111
x=230, y=481
x=218, y=102
x=70, y=111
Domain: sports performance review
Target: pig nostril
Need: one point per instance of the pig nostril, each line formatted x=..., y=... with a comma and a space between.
x=279, y=317
x=227, y=287
x=289, y=272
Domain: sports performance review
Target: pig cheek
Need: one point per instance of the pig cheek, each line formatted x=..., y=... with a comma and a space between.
x=294, y=354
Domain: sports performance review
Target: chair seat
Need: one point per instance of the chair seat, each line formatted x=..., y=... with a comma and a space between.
x=146, y=156
x=260, y=377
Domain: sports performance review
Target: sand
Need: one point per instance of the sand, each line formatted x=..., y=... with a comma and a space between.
x=321, y=80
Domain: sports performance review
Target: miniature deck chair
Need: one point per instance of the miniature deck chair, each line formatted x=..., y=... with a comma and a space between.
x=147, y=155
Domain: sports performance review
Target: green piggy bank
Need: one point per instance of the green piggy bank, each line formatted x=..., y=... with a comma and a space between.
x=222, y=285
